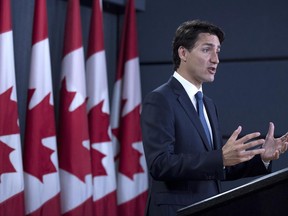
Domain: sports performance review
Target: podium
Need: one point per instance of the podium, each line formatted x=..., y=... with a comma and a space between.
x=265, y=196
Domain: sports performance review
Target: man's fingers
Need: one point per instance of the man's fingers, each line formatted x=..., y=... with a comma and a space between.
x=249, y=137
x=284, y=138
x=276, y=155
x=283, y=148
x=252, y=144
x=247, y=155
x=270, y=130
x=235, y=133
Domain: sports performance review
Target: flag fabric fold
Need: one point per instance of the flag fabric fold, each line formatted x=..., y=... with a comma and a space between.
x=132, y=180
x=103, y=166
x=42, y=185
x=11, y=168
x=73, y=137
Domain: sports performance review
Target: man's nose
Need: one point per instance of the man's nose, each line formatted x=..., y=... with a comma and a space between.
x=215, y=58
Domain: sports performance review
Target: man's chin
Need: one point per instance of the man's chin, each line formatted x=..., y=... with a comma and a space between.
x=210, y=79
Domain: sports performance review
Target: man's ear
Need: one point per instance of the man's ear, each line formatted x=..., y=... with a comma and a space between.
x=182, y=52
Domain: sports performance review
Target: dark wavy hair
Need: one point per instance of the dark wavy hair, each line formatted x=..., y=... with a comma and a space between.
x=187, y=33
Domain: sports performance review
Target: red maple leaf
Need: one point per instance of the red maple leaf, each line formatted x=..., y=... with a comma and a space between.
x=5, y=164
x=8, y=126
x=73, y=131
x=40, y=125
x=128, y=133
x=8, y=114
x=98, y=130
x=97, y=166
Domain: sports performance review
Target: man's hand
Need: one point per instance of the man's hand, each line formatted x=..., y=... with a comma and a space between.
x=236, y=151
x=274, y=147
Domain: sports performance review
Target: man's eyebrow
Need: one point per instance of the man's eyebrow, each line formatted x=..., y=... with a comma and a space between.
x=212, y=45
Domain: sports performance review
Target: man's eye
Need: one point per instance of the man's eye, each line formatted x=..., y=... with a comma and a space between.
x=205, y=50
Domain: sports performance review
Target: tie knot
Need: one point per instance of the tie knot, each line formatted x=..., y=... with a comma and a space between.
x=199, y=96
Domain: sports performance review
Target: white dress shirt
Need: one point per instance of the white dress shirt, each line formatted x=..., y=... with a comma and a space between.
x=191, y=91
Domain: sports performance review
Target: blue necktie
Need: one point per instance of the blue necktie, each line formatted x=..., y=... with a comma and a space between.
x=199, y=99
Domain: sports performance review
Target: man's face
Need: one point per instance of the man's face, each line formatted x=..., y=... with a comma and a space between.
x=200, y=63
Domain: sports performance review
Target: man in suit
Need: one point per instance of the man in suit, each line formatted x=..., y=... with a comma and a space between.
x=185, y=161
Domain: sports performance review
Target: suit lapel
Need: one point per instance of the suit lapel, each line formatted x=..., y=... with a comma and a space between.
x=189, y=109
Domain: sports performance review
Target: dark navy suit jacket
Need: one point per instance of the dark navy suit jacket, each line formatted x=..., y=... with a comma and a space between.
x=183, y=168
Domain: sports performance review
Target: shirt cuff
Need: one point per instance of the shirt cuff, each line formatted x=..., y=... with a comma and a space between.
x=266, y=164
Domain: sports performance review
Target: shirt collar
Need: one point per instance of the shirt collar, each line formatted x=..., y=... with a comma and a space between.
x=188, y=86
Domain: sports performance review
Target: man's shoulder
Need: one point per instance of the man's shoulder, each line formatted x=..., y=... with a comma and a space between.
x=162, y=92
x=166, y=88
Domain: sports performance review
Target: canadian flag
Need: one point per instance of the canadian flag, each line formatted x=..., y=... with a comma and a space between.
x=132, y=182
x=103, y=166
x=11, y=169
x=74, y=152
x=42, y=186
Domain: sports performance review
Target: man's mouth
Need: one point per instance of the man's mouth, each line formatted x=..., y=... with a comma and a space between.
x=212, y=70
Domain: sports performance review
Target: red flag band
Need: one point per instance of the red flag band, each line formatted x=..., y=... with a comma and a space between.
x=104, y=178
x=11, y=168
x=42, y=186
x=73, y=139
